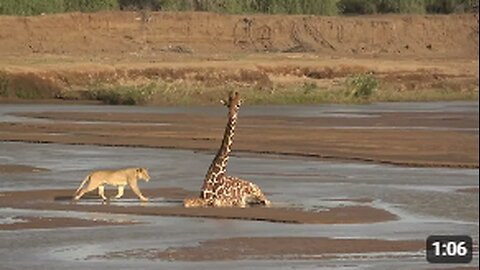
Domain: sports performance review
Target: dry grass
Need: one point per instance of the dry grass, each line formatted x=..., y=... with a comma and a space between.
x=27, y=86
x=203, y=85
x=314, y=72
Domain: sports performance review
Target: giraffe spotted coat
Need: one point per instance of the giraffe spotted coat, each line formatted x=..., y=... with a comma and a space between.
x=219, y=189
x=231, y=192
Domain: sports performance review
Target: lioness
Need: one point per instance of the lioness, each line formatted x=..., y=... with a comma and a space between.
x=119, y=178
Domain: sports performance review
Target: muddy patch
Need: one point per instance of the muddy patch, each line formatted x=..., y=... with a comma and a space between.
x=473, y=190
x=356, y=200
x=268, y=248
x=388, y=138
x=17, y=168
x=61, y=200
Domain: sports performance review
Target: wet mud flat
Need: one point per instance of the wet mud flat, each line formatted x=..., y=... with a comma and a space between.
x=172, y=198
x=419, y=138
x=16, y=168
x=328, y=212
x=292, y=248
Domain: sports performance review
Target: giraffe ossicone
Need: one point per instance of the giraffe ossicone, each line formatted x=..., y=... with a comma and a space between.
x=219, y=189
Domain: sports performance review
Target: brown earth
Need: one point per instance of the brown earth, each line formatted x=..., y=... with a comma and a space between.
x=62, y=200
x=67, y=55
x=320, y=137
x=264, y=248
x=126, y=33
x=473, y=190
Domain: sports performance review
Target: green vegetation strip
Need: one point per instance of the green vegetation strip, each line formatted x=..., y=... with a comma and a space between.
x=355, y=88
x=315, y=7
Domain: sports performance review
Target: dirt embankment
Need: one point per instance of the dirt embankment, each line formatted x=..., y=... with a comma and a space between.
x=190, y=58
x=118, y=33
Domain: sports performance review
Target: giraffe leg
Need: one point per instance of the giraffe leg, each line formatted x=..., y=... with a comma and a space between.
x=243, y=202
x=217, y=203
x=259, y=197
x=263, y=199
x=267, y=203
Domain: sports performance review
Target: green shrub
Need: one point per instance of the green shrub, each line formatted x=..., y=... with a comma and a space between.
x=36, y=7
x=31, y=7
x=125, y=95
x=141, y=4
x=309, y=87
x=358, y=6
x=361, y=85
x=90, y=6
x=3, y=84
x=405, y=6
x=314, y=7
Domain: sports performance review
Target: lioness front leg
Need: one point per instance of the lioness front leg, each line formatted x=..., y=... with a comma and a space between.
x=101, y=192
x=120, y=192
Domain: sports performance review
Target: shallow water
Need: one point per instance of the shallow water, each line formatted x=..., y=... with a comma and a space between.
x=325, y=110
x=425, y=199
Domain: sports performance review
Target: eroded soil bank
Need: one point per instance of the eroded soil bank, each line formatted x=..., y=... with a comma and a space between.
x=191, y=58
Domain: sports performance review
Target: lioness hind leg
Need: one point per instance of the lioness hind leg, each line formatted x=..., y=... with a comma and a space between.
x=101, y=192
x=83, y=191
x=80, y=194
x=120, y=192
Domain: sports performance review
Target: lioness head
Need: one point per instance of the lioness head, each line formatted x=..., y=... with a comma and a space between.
x=142, y=173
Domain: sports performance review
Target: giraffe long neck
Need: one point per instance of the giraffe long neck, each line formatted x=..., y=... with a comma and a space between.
x=218, y=166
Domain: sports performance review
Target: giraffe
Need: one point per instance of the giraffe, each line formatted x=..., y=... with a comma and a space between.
x=219, y=189
x=218, y=167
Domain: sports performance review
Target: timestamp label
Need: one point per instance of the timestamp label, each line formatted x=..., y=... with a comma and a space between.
x=449, y=249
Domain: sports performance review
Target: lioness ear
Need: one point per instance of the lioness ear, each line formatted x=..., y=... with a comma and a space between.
x=138, y=170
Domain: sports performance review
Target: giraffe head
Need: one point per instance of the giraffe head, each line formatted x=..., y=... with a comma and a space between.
x=233, y=103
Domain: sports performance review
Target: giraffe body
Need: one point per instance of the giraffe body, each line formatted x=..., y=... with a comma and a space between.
x=231, y=192
x=236, y=192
